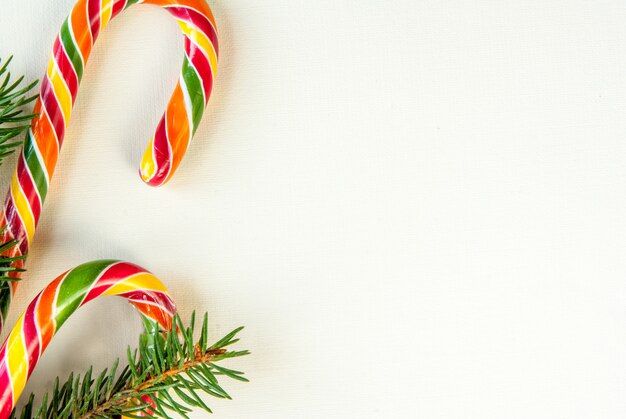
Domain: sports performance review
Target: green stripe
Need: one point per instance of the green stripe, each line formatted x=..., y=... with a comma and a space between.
x=130, y=3
x=71, y=48
x=75, y=286
x=5, y=300
x=194, y=89
x=35, y=167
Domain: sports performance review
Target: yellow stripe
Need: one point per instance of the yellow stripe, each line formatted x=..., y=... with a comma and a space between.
x=148, y=164
x=107, y=10
x=21, y=204
x=17, y=360
x=143, y=281
x=61, y=92
x=203, y=42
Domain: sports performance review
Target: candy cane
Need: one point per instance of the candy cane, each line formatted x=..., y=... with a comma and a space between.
x=58, y=301
x=72, y=48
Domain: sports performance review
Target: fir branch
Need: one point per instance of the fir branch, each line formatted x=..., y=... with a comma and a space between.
x=165, y=374
x=13, y=97
x=13, y=122
x=7, y=263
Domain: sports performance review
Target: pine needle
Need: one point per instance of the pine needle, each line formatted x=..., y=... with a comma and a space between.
x=168, y=373
x=14, y=96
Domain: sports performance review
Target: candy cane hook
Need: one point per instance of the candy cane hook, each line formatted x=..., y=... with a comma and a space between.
x=59, y=88
x=59, y=300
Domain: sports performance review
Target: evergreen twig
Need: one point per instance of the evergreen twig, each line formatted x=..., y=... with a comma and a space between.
x=13, y=122
x=165, y=374
x=13, y=97
x=7, y=263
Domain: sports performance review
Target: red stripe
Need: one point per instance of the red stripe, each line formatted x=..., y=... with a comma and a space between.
x=30, y=191
x=53, y=109
x=199, y=20
x=161, y=154
x=156, y=297
x=6, y=397
x=202, y=65
x=120, y=270
x=93, y=8
x=66, y=68
x=15, y=224
x=111, y=276
x=31, y=336
x=118, y=6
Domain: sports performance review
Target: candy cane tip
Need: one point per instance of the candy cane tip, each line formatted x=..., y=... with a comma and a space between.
x=149, y=171
x=151, y=180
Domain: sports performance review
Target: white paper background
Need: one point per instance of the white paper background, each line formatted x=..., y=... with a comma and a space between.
x=417, y=208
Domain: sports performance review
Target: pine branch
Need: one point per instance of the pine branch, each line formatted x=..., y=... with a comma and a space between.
x=165, y=374
x=7, y=263
x=13, y=97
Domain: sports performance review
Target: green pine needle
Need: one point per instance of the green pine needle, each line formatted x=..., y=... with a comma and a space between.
x=13, y=97
x=167, y=374
x=7, y=263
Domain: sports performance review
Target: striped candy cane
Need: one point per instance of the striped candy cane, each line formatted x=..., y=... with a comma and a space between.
x=72, y=48
x=58, y=301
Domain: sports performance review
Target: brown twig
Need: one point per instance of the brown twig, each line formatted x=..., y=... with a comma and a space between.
x=116, y=401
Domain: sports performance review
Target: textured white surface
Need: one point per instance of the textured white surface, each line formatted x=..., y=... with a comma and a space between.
x=417, y=208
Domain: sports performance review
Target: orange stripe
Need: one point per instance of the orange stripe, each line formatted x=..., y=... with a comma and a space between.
x=45, y=312
x=46, y=142
x=80, y=27
x=155, y=313
x=178, y=131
